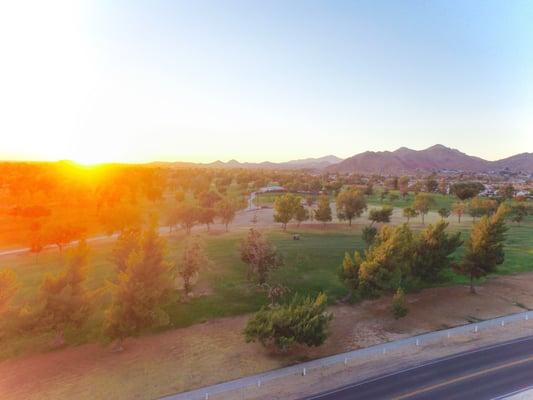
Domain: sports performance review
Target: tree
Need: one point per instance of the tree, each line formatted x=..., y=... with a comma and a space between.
x=208, y=199
x=368, y=234
x=349, y=272
x=206, y=216
x=443, y=186
x=383, y=194
x=484, y=250
x=8, y=288
x=479, y=207
x=433, y=251
x=323, y=211
x=388, y=261
x=519, y=212
x=350, y=203
x=444, y=212
x=303, y=320
x=128, y=242
x=423, y=203
x=458, y=209
x=399, y=305
x=226, y=210
x=260, y=255
x=63, y=299
x=431, y=185
x=507, y=191
x=393, y=197
x=392, y=183
x=62, y=233
x=301, y=214
x=466, y=190
x=285, y=207
x=141, y=291
x=36, y=241
x=192, y=259
x=403, y=184
x=380, y=215
x=409, y=212
x=120, y=217
x=187, y=214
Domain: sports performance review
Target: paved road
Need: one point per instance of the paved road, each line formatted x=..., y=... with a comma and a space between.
x=486, y=373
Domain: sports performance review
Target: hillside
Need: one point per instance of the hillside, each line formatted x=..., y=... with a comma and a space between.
x=434, y=158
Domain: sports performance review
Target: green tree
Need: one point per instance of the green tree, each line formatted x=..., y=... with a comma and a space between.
x=458, y=209
x=484, y=250
x=260, y=255
x=303, y=320
x=350, y=203
x=368, y=234
x=141, y=291
x=507, y=191
x=519, y=212
x=301, y=214
x=403, y=185
x=423, y=202
x=409, y=212
x=323, y=211
x=8, y=288
x=479, y=207
x=206, y=216
x=187, y=215
x=431, y=185
x=63, y=300
x=466, y=190
x=226, y=210
x=127, y=243
x=399, y=305
x=393, y=197
x=380, y=215
x=285, y=208
x=433, y=252
x=349, y=272
x=388, y=261
x=192, y=259
x=444, y=212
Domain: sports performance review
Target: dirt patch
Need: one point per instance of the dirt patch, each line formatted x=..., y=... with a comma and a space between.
x=215, y=351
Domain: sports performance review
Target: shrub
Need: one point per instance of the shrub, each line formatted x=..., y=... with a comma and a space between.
x=303, y=320
x=399, y=305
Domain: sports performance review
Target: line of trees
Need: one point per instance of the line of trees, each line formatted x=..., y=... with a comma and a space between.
x=399, y=258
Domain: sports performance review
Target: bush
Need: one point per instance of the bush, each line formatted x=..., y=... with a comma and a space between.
x=369, y=234
x=399, y=305
x=303, y=320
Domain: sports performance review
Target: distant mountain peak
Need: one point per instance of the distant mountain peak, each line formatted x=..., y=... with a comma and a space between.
x=434, y=158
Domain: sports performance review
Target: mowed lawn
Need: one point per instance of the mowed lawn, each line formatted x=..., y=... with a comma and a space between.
x=440, y=200
x=311, y=264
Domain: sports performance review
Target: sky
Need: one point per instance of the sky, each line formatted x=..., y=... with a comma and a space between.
x=132, y=81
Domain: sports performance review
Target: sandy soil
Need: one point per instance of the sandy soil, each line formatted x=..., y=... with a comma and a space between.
x=215, y=351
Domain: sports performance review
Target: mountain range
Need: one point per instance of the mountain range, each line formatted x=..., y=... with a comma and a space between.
x=435, y=158
x=401, y=161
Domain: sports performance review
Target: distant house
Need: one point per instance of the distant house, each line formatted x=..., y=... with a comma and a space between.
x=272, y=189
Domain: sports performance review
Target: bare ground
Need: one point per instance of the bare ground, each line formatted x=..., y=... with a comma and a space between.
x=215, y=351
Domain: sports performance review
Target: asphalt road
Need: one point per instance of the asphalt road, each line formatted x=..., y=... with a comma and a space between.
x=486, y=373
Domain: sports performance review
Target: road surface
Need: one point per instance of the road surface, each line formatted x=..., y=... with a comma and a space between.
x=486, y=373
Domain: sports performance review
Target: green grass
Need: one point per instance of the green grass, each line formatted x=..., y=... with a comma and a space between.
x=311, y=265
x=441, y=200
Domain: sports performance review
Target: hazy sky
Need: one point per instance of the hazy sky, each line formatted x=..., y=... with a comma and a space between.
x=263, y=80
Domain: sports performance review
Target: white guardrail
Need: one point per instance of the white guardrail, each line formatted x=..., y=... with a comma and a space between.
x=344, y=358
